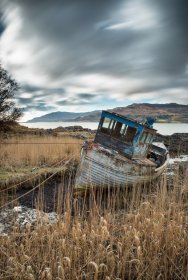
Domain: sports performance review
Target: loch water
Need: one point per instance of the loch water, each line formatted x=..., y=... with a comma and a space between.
x=162, y=128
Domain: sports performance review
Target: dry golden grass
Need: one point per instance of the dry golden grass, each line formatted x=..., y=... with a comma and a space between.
x=140, y=233
x=49, y=151
x=22, y=157
x=127, y=234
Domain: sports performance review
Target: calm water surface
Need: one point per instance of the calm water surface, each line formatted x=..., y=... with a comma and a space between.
x=162, y=128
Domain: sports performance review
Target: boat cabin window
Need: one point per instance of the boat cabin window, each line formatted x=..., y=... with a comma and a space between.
x=124, y=132
x=129, y=134
x=146, y=138
x=118, y=130
x=107, y=125
x=149, y=138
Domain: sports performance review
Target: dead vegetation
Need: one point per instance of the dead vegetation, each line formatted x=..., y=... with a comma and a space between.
x=36, y=151
x=138, y=233
x=23, y=156
x=118, y=235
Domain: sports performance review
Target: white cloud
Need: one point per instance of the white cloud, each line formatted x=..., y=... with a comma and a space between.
x=134, y=14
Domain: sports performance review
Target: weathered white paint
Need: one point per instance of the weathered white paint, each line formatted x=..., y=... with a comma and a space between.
x=101, y=168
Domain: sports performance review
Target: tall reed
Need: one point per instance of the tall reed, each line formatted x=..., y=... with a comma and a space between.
x=136, y=233
x=34, y=150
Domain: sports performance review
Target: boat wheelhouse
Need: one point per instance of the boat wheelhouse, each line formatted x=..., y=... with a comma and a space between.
x=124, y=135
x=121, y=154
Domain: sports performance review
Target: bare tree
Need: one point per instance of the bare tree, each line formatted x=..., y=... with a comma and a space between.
x=8, y=110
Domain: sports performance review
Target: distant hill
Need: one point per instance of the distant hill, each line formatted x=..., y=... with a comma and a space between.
x=170, y=112
x=60, y=116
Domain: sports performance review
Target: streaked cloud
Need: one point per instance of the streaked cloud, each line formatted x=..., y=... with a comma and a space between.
x=93, y=54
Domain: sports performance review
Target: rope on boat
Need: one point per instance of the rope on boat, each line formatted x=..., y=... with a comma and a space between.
x=17, y=198
x=30, y=178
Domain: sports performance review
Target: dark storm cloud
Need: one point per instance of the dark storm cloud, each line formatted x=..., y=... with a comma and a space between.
x=173, y=49
x=73, y=101
x=82, y=47
x=2, y=26
x=85, y=96
x=144, y=41
x=70, y=27
x=39, y=107
x=31, y=88
x=163, y=84
x=24, y=101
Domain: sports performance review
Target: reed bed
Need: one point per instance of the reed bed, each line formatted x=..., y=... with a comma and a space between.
x=137, y=233
x=36, y=151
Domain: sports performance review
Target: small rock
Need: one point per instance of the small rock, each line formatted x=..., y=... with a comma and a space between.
x=17, y=209
x=2, y=227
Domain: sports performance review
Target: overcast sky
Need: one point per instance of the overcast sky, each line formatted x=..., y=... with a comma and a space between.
x=84, y=55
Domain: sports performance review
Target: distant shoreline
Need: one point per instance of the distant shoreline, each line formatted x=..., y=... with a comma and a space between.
x=89, y=121
x=162, y=127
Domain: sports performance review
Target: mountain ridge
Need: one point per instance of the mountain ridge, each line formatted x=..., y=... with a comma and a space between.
x=168, y=112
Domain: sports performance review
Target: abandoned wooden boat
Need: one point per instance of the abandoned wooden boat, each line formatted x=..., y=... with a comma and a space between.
x=122, y=153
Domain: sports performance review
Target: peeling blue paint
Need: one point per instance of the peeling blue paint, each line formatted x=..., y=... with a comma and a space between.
x=130, y=150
